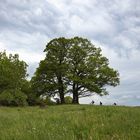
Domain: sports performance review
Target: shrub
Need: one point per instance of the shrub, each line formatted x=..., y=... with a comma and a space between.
x=68, y=100
x=32, y=99
x=6, y=98
x=12, y=97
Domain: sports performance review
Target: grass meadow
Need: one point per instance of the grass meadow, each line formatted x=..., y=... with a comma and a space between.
x=70, y=122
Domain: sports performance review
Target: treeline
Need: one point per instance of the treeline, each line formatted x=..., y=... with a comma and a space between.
x=71, y=66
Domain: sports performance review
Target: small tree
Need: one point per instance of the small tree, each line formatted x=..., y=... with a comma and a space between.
x=12, y=75
x=12, y=71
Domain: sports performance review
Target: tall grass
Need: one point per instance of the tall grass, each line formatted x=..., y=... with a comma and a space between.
x=70, y=122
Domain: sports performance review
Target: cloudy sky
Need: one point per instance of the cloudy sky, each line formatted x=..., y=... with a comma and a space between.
x=114, y=25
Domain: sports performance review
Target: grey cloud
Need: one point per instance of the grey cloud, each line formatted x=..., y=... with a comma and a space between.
x=113, y=23
x=30, y=16
x=110, y=21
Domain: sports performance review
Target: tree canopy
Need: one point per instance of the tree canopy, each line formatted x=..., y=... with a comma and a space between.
x=49, y=78
x=89, y=71
x=73, y=66
x=12, y=75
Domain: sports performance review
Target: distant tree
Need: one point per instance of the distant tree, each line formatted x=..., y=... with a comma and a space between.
x=12, y=75
x=12, y=71
x=49, y=78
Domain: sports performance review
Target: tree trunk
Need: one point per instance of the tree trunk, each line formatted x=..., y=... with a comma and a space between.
x=61, y=90
x=75, y=94
x=62, y=98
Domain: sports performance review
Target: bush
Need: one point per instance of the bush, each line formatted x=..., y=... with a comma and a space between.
x=68, y=100
x=13, y=98
x=6, y=98
x=32, y=99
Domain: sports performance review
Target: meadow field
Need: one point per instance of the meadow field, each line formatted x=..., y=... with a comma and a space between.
x=70, y=122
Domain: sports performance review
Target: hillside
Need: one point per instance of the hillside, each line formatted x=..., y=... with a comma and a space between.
x=70, y=122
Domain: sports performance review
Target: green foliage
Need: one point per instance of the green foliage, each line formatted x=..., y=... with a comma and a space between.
x=70, y=122
x=27, y=89
x=68, y=100
x=32, y=99
x=12, y=71
x=89, y=71
x=49, y=76
x=76, y=66
x=13, y=98
x=12, y=76
x=6, y=98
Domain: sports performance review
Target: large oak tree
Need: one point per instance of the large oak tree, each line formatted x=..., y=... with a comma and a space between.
x=89, y=71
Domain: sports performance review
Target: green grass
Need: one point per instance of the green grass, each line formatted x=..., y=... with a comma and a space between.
x=70, y=122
